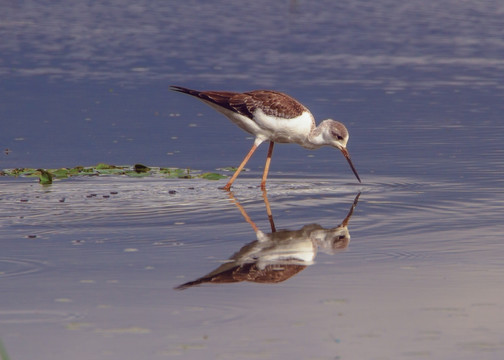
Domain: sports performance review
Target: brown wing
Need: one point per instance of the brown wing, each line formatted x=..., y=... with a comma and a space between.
x=272, y=103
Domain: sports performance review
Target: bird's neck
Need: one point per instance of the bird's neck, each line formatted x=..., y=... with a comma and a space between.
x=315, y=138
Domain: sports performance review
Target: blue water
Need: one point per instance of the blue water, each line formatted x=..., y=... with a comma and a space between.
x=88, y=265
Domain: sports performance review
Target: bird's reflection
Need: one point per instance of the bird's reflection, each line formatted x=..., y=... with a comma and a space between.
x=279, y=255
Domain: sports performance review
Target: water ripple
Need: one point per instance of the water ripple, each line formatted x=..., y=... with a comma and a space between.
x=30, y=316
x=16, y=267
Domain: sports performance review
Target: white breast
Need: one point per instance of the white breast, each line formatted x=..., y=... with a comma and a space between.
x=282, y=130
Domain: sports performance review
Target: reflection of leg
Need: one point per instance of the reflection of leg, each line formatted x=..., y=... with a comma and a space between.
x=240, y=168
x=268, y=211
x=267, y=165
x=243, y=212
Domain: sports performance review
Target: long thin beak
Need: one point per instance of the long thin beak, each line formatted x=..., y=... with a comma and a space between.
x=347, y=156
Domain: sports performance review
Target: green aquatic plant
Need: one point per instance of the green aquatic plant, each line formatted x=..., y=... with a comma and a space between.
x=60, y=173
x=103, y=166
x=212, y=176
x=46, y=176
x=176, y=173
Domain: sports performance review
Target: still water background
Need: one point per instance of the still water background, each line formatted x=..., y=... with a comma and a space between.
x=88, y=265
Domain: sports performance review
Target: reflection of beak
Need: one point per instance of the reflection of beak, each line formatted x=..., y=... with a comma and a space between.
x=347, y=156
x=350, y=213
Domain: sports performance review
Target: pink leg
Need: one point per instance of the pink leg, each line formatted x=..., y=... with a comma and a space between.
x=240, y=168
x=267, y=165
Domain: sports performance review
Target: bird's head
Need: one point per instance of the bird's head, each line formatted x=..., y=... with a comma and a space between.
x=336, y=134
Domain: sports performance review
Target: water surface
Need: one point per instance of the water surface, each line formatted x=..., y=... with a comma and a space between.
x=90, y=265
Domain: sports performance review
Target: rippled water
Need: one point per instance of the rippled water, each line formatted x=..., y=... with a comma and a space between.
x=95, y=267
x=104, y=267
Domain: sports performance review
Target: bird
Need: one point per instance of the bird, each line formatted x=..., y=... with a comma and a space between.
x=276, y=117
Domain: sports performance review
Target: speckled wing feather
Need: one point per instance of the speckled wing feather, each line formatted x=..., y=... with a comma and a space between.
x=272, y=103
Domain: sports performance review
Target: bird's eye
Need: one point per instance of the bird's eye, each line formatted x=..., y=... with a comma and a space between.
x=336, y=135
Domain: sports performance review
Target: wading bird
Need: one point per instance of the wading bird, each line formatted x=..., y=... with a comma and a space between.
x=276, y=117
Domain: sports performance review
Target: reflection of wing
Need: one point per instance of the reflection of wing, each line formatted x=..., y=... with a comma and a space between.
x=271, y=274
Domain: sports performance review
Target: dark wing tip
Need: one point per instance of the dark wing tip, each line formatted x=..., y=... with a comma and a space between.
x=220, y=98
x=177, y=88
x=184, y=90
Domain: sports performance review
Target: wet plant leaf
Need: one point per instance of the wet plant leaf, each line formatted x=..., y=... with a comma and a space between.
x=82, y=170
x=20, y=172
x=133, y=173
x=212, y=176
x=103, y=166
x=176, y=173
x=62, y=173
x=45, y=177
x=111, y=171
